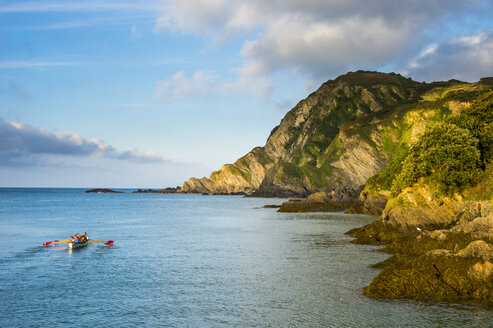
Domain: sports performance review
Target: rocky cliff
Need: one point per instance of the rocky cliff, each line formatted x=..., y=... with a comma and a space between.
x=438, y=221
x=338, y=137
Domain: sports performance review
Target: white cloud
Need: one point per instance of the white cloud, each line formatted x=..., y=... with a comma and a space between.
x=315, y=39
x=464, y=58
x=194, y=16
x=24, y=144
x=200, y=82
x=319, y=48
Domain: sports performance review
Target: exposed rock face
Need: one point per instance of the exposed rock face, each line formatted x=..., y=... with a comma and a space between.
x=369, y=203
x=336, y=138
x=317, y=202
x=340, y=136
x=245, y=175
x=420, y=208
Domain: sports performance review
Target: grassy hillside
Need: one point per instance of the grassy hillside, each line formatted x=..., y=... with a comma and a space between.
x=454, y=152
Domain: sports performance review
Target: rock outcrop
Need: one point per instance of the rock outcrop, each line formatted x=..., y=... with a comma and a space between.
x=317, y=202
x=442, y=248
x=369, y=203
x=335, y=139
x=420, y=207
x=341, y=139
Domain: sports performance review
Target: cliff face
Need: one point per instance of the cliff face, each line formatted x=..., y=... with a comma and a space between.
x=335, y=139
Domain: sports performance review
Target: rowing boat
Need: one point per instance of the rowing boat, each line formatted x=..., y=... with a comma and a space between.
x=77, y=245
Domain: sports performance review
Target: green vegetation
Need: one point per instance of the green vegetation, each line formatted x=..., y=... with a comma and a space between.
x=452, y=155
x=292, y=170
x=294, y=134
x=384, y=179
x=478, y=119
x=387, y=113
x=239, y=172
x=445, y=154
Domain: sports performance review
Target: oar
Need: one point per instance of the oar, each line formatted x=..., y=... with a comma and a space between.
x=54, y=242
x=101, y=242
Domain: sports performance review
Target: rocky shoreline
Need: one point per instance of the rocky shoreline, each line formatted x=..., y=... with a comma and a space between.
x=441, y=246
x=442, y=249
x=339, y=201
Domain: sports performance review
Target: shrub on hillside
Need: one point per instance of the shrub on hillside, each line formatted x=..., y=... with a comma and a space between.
x=446, y=154
x=478, y=119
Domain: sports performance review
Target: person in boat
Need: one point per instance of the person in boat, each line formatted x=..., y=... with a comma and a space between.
x=83, y=238
x=76, y=239
x=72, y=239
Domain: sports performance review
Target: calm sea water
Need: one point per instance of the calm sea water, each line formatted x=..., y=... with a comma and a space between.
x=195, y=261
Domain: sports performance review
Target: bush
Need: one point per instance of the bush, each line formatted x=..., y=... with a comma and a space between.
x=446, y=154
x=478, y=119
x=384, y=178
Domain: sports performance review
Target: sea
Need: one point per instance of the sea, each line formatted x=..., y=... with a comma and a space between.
x=183, y=260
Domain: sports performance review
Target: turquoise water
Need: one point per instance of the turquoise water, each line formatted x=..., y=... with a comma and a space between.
x=194, y=261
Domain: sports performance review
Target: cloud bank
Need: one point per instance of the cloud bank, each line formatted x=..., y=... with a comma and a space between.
x=22, y=144
x=464, y=58
x=318, y=39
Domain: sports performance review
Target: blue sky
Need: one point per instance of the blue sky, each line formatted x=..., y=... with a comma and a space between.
x=149, y=93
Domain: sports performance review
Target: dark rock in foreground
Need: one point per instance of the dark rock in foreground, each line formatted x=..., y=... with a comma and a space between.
x=103, y=190
x=442, y=249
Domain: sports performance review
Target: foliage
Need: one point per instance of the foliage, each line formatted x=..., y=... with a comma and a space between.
x=384, y=178
x=291, y=170
x=445, y=154
x=478, y=119
x=239, y=172
x=484, y=189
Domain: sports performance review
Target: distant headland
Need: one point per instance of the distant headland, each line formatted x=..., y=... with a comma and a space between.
x=103, y=190
x=169, y=190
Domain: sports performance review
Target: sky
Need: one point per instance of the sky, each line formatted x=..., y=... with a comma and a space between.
x=146, y=94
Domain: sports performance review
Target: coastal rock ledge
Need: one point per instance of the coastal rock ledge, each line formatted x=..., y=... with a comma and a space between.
x=442, y=249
